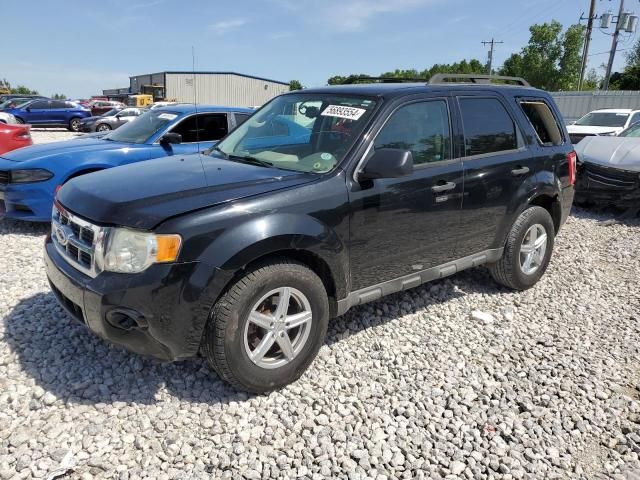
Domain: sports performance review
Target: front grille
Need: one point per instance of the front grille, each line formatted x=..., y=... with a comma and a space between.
x=76, y=240
x=576, y=137
x=4, y=177
x=606, y=177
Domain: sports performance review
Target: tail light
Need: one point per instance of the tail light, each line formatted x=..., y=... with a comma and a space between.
x=572, y=159
x=24, y=133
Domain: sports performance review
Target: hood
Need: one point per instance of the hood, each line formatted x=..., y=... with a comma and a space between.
x=91, y=119
x=594, y=130
x=617, y=152
x=62, y=149
x=141, y=195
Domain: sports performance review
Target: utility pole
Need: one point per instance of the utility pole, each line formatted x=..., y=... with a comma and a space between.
x=490, y=57
x=614, y=47
x=587, y=40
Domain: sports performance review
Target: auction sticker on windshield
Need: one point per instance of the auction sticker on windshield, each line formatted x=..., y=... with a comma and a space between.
x=351, y=113
x=167, y=116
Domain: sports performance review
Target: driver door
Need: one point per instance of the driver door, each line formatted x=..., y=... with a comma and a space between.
x=199, y=132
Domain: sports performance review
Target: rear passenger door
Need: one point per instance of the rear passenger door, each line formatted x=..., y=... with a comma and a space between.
x=497, y=169
x=199, y=132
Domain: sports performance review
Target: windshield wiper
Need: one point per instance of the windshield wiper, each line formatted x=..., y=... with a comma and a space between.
x=250, y=160
x=217, y=149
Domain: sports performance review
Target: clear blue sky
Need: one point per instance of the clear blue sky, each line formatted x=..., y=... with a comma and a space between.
x=79, y=47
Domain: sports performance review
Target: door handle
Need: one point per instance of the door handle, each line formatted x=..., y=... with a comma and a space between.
x=520, y=171
x=443, y=187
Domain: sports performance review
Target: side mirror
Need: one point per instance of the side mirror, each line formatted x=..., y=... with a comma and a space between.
x=171, y=137
x=388, y=163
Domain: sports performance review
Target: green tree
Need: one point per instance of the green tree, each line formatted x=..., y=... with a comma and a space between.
x=59, y=96
x=629, y=79
x=22, y=90
x=592, y=80
x=295, y=85
x=551, y=60
x=633, y=55
x=339, y=79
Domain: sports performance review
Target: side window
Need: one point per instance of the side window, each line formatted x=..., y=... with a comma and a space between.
x=128, y=112
x=420, y=127
x=635, y=118
x=543, y=122
x=205, y=127
x=241, y=118
x=40, y=105
x=58, y=104
x=487, y=125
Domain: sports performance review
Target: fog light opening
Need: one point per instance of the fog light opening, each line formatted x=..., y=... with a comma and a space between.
x=126, y=320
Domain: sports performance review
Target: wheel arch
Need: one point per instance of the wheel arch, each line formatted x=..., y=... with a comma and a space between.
x=551, y=203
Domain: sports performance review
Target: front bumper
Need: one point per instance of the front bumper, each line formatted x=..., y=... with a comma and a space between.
x=28, y=201
x=160, y=312
x=87, y=128
x=607, y=186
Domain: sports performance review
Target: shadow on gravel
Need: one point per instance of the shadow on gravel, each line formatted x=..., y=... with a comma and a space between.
x=66, y=359
x=607, y=215
x=17, y=227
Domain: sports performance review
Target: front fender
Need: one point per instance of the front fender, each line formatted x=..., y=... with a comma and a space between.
x=278, y=232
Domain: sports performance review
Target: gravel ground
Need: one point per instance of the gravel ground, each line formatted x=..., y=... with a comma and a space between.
x=45, y=135
x=459, y=378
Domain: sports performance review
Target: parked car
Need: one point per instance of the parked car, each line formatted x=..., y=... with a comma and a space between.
x=609, y=169
x=245, y=251
x=10, y=96
x=111, y=120
x=607, y=122
x=13, y=137
x=174, y=130
x=50, y=113
x=98, y=107
x=7, y=118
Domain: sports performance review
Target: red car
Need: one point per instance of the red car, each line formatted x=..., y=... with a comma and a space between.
x=14, y=136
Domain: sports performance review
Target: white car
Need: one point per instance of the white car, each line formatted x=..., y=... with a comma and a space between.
x=7, y=118
x=607, y=121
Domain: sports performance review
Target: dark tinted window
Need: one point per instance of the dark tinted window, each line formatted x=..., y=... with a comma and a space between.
x=487, y=126
x=241, y=118
x=422, y=128
x=40, y=105
x=204, y=127
x=58, y=104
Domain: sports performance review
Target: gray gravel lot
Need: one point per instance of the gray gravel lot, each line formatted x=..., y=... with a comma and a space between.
x=417, y=385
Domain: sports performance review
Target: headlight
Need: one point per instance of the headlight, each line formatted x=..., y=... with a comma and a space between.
x=30, y=175
x=12, y=118
x=133, y=251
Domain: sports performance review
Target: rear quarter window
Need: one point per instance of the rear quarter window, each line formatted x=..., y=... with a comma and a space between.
x=543, y=121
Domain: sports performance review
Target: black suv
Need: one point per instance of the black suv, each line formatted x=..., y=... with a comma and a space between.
x=324, y=199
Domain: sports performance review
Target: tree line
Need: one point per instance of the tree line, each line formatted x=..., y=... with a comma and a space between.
x=551, y=60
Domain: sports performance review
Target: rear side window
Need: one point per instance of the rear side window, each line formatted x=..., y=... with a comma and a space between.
x=488, y=127
x=543, y=122
x=57, y=104
x=421, y=127
x=204, y=127
x=40, y=105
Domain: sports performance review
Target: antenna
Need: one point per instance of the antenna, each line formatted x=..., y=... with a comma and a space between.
x=195, y=94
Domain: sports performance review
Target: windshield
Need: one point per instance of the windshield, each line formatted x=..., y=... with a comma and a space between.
x=603, y=119
x=632, y=131
x=302, y=132
x=14, y=102
x=111, y=112
x=143, y=128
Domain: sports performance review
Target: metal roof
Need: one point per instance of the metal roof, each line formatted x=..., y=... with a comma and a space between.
x=200, y=72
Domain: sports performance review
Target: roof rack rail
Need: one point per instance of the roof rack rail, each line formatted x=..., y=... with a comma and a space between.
x=475, y=78
x=352, y=80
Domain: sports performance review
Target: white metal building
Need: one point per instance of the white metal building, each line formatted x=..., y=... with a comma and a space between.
x=215, y=88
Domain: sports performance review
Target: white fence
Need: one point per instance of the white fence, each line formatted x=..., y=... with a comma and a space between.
x=574, y=105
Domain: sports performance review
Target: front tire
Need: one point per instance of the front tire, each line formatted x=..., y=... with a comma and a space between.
x=103, y=127
x=20, y=121
x=267, y=328
x=74, y=125
x=527, y=251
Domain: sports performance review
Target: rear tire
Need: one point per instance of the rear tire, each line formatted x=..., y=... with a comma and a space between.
x=527, y=250
x=19, y=120
x=74, y=125
x=245, y=334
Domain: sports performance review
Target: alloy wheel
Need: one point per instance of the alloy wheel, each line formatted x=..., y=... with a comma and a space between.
x=533, y=248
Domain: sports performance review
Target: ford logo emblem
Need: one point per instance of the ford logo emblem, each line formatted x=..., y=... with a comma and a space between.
x=62, y=235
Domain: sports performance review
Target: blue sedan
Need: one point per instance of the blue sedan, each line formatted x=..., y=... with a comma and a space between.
x=30, y=176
